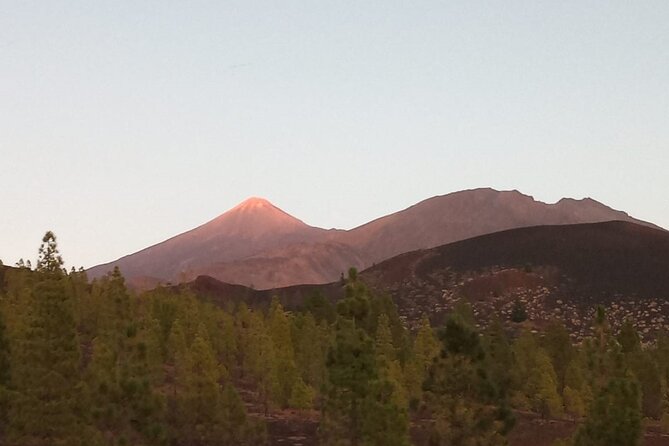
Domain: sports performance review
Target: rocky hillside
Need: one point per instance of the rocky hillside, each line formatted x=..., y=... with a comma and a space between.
x=551, y=271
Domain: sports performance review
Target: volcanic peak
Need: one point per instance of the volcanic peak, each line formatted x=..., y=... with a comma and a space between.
x=254, y=203
x=255, y=216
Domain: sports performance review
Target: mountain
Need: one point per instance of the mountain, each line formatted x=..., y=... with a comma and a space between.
x=257, y=244
x=250, y=228
x=465, y=214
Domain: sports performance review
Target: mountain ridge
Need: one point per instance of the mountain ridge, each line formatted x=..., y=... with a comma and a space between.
x=258, y=234
x=437, y=220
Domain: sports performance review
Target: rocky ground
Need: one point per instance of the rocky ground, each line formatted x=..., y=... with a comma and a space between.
x=493, y=293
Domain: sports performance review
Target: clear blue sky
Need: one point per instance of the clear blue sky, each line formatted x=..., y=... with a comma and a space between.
x=124, y=123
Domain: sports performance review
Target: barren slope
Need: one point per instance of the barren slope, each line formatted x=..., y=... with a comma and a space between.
x=466, y=214
x=248, y=229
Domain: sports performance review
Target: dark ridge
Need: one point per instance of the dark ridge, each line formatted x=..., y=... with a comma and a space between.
x=224, y=294
x=599, y=258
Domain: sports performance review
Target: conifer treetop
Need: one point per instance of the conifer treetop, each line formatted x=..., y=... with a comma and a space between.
x=49, y=259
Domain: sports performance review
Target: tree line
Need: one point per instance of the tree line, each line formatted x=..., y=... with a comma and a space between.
x=91, y=363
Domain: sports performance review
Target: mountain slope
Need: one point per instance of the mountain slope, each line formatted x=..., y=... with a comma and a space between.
x=303, y=263
x=462, y=215
x=556, y=271
x=598, y=258
x=258, y=244
x=246, y=230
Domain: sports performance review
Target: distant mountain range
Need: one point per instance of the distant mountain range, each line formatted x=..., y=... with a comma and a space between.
x=258, y=245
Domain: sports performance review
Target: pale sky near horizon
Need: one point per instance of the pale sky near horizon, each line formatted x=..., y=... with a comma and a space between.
x=125, y=123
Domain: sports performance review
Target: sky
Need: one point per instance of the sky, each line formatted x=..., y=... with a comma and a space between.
x=125, y=123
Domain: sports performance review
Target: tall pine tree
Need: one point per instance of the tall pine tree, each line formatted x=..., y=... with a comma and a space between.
x=47, y=407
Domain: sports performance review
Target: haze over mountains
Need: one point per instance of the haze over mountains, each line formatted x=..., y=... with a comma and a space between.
x=257, y=244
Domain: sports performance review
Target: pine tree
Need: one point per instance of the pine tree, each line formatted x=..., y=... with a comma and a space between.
x=557, y=344
x=464, y=312
x=47, y=407
x=143, y=407
x=628, y=338
x=103, y=387
x=574, y=402
x=17, y=302
x=261, y=361
x=199, y=418
x=614, y=418
x=577, y=394
x=385, y=419
x=543, y=385
x=389, y=367
x=279, y=326
x=117, y=308
x=459, y=394
x=204, y=412
x=518, y=312
x=78, y=289
x=644, y=368
x=384, y=305
x=385, y=351
x=179, y=357
x=646, y=372
x=360, y=401
x=5, y=374
x=601, y=328
x=238, y=428
x=426, y=345
x=425, y=350
x=359, y=406
x=301, y=395
x=151, y=336
x=500, y=361
x=538, y=378
x=351, y=367
x=320, y=308
x=49, y=260
x=311, y=346
x=136, y=364
x=225, y=342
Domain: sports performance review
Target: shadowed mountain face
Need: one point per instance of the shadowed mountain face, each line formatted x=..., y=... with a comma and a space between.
x=256, y=244
x=598, y=259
